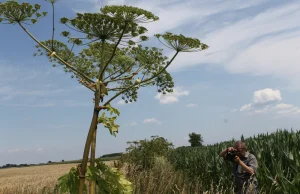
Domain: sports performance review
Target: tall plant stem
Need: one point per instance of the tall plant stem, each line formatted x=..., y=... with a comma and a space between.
x=92, y=188
x=87, y=147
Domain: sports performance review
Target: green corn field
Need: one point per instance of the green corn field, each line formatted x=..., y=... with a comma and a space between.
x=278, y=156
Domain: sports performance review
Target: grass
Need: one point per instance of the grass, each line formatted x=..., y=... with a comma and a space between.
x=164, y=179
x=32, y=180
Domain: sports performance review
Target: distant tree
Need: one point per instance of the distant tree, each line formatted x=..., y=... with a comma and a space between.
x=195, y=139
x=62, y=160
x=49, y=162
x=112, y=155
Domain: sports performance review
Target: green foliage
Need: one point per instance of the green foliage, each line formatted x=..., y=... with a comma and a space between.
x=181, y=43
x=112, y=22
x=129, y=14
x=11, y=12
x=278, y=162
x=108, y=180
x=144, y=152
x=112, y=110
x=109, y=123
x=195, y=139
x=69, y=182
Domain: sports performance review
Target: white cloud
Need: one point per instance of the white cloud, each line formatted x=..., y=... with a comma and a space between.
x=122, y=102
x=152, y=120
x=134, y=123
x=181, y=12
x=173, y=97
x=263, y=97
x=287, y=109
x=269, y=101
x=262, y=41
x=271, y=48
x=266, y=96
x=191, y=105
x=246, y=107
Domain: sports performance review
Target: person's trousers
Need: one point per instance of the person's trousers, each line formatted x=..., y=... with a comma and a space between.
x=246, y=191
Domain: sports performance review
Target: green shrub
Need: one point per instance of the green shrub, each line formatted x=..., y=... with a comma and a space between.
x=143, y=153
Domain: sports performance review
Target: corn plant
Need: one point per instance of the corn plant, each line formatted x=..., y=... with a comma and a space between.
x=278, y=158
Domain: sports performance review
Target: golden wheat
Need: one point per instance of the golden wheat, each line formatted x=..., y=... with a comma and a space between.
x=32, y=180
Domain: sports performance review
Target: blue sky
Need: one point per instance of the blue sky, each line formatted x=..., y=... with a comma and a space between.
x=249, y=76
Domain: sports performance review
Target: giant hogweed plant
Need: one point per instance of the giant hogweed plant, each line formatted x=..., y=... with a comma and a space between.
x=109, y=180
x=112, y=62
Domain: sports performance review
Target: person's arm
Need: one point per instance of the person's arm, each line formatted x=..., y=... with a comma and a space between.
x=224, y=152
x=251, y=169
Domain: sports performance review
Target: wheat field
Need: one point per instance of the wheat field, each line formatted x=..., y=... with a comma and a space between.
x=32, y=180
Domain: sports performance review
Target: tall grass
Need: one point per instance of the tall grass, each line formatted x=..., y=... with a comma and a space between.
x=163, y=179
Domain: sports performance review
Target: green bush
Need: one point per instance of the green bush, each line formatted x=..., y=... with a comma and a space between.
x=143, y=153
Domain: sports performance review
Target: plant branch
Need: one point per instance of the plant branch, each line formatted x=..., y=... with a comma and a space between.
x=53, y=26
x=114, y=51
x=115, y=89
x=119, y=93
x=102, y=59
x=54, y=54
x=120, y=74
x=127, y=77
x=162, y=69
x=89, y=86
x=71, y=51
x=123, y=78
x=146, y=80
x=113, y=74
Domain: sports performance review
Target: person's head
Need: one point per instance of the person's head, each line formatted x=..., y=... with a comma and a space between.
x=241, y=147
